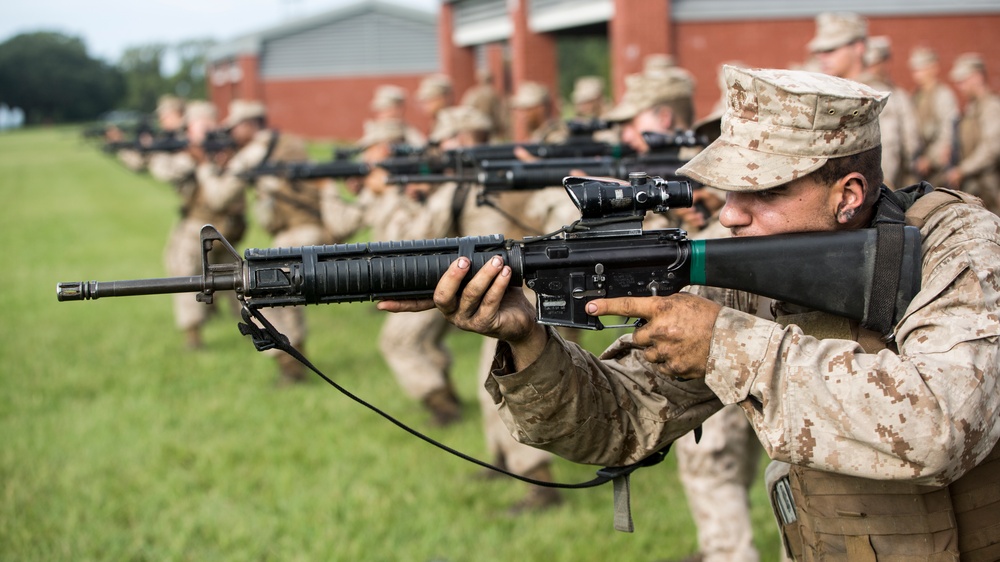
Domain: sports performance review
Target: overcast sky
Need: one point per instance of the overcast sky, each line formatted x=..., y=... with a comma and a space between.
x=110, y=26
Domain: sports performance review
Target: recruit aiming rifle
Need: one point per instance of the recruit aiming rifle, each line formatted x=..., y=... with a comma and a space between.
x=605, y=254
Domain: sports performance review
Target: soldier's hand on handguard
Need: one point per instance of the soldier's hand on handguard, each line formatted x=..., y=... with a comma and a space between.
x=487, y=305
x=677, y=334
x=523, y=155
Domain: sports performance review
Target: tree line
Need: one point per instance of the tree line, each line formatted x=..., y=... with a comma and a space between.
x=53, y=79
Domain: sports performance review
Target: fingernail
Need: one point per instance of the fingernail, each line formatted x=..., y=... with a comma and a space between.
x=463, y=263
x=591, y=308
x=497, y=262
x=505, y=272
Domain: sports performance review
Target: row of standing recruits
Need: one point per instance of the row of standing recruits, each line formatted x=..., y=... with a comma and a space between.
x=212, y=190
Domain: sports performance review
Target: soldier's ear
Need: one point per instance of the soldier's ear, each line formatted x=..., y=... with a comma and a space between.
x=849, y=196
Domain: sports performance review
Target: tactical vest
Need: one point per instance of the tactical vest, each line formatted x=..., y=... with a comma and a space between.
x=833, y=517
x=295, y=202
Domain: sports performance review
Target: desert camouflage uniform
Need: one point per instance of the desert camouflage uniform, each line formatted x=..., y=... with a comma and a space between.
x=942, y=383
x=923, y=415
x=408, y=342
x=182, y=256
x=550, y=208
x=718, y=470
x=937, y=112
x=439, y=220
x=484, y=98
x=289, y=211
x=419, y=367
x=979, y=157
x=900, y=134
x=133, y=160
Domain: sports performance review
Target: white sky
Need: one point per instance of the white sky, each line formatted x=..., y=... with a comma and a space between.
x=108, y=27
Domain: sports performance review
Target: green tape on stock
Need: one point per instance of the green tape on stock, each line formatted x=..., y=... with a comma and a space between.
x=697, y=262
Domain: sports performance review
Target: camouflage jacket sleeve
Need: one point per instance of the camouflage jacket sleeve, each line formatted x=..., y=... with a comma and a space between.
x=342, y=218
x=987, y=152
x=928, y=413
x=171, y=168
x=221, y=187
x=611, y=410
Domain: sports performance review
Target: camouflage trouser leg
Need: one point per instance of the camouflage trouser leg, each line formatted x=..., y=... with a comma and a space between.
x=182, y=257
x=520, y=458
x=717, y=473
x=412, y=344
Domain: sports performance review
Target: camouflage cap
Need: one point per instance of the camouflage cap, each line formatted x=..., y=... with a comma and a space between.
x=780, y=125
x=587, y=88
x=658, y=62
x=200, y=110
x=836, y=29
x=922, y=57
x=966, y=65
x=643, y=91
x=387, y=96
x=171, y=104
x=878, y=49
x=243, y=110
x=457, y=119
x=529, y=94
x=434, y=86
x=383, y=130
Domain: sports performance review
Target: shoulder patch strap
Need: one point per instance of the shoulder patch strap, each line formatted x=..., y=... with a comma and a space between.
x=930, y=203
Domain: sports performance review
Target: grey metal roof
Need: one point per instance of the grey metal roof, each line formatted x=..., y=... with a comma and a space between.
x=362, y=43
x=251, y=43
x=727, y=10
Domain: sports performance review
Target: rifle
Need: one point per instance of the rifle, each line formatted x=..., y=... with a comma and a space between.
x=605, y=254
x=395, y=150
x=344, y=168
x=337, y=169
x=662, y=160
x=215, y=141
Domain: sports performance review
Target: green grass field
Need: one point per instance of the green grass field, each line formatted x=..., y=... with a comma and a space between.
x=117, y=444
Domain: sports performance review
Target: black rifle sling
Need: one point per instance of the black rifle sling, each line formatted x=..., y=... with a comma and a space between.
x=889, y=222
x=265, y=336
x=458, y=202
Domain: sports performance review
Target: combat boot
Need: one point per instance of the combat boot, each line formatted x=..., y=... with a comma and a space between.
x=538, y=498
x=290, y=371
x=444, y=406
x=192, y=338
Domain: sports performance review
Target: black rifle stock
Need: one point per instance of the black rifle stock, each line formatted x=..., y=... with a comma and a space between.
x=605, y=255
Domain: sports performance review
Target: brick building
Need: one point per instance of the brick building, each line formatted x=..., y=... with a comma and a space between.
x=317, y=75
x=517, y=38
